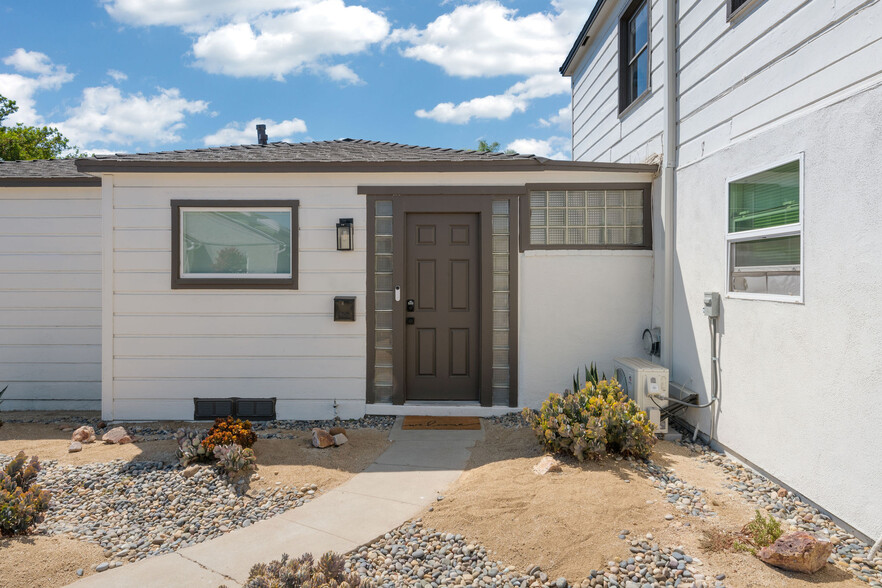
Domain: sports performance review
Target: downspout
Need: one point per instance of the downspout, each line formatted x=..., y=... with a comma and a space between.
x=670, y=166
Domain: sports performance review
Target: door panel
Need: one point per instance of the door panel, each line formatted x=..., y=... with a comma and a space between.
x=443, y=278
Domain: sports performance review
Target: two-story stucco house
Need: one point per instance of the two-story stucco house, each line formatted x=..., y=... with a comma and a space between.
x=766, y=120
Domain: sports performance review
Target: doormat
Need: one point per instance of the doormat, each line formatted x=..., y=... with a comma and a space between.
x=428, y=423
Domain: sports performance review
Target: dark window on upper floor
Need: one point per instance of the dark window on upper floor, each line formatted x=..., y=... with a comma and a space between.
x=634, y=53
x=735, y=7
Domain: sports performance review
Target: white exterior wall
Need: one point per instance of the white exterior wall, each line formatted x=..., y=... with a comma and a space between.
x=50, y=298
x=168, y=346
x=599, y=132
x=801, y=383
x=578, y=307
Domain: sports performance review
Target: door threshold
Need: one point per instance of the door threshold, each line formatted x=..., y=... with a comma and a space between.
x=427, y=408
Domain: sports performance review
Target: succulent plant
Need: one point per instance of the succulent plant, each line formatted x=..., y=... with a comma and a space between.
x=190, y=447
x=235, y=460
x=305, y=572
x=22, y=502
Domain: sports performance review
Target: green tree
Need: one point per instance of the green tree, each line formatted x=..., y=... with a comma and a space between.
x=485, y=147
x=26, y=142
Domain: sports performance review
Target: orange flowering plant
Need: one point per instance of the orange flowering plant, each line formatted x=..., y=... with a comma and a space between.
x=228, y=431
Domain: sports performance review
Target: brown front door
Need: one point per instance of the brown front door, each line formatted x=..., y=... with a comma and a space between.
x=442, y=330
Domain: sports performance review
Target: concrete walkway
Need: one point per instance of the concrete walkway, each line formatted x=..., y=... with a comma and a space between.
x=406, y=478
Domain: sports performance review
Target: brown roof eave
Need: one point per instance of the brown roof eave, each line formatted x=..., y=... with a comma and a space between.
x=38, y=182
x=502, y=165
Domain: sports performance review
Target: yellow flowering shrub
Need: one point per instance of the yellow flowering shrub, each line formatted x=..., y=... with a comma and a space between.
x=593, y=421
x=228, y=431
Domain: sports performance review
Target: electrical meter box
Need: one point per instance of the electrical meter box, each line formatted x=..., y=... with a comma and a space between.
x=646, y=384
x=711, y=306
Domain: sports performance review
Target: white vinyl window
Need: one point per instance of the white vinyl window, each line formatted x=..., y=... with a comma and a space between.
x=764, y=234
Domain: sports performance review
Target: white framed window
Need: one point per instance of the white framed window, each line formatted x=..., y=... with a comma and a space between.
x=234, y=244
x=764, y=237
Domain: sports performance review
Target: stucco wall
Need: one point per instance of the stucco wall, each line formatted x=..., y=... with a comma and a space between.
x=801, y=392
x=50, y=298
x=577, y=307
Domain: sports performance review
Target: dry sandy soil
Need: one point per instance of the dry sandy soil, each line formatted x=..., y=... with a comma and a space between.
x=569, y=522
x=291, y=462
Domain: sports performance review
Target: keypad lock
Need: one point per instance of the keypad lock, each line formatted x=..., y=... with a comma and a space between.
x=410, y=305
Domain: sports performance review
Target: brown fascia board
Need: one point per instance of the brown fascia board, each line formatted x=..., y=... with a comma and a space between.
x=37, y=182
x=508, y=165
x=581, y=40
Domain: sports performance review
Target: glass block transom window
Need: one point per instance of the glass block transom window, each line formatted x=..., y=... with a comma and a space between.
x=587, y=217
x=383, y=301
x=501, y=301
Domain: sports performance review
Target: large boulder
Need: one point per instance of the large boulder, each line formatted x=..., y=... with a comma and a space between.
x=116, y=435
x=322, y=438
x=337, y=431
x=84, y=434
x=798, y=551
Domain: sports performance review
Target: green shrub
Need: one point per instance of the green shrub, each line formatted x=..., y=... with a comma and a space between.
x=763, y=531
x=228, y=431
x=597, y=419
x=304, y=572
x=235, y=460
x=22, y=503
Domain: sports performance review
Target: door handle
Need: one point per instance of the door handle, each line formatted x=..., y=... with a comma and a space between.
x=410, y=305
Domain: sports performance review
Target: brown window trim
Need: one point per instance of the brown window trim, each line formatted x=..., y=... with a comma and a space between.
x=524, y=228
x=624, y=102
x=179, y=283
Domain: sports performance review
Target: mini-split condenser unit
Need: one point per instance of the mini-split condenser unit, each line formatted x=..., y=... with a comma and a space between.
x=646, y=384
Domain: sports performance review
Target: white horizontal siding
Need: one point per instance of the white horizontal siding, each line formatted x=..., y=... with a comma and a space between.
x=50, y=298
x=170, y=346
x=777, y=61
x=599, y=132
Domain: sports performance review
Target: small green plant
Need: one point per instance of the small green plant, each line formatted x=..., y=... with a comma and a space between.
x=590, y=376
x=228, y=431
x=595, y=420
x=235, y=460
x=304, y=572
x=763, y=531
x=190, y=447
x=22, y=502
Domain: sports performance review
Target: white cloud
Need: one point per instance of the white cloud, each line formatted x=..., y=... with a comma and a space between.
x=117, y=75
x=489, y=39
x=107, y=116
x=278, y=44
x=500, y=106
x=552, y=148
x=45, y=75
x=246, y=133
x=264, y=38
x=563, y=119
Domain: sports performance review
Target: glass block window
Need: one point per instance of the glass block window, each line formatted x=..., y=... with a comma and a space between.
x=587, y=218
x=383, y=301
x=501, y=371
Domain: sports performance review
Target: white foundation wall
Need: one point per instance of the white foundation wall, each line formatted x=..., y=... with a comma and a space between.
x=578, y=307
x=50, y=298
x=170, y=346
x=801, y=393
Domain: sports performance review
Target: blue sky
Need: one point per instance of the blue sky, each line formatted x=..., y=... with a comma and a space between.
x=147, y=75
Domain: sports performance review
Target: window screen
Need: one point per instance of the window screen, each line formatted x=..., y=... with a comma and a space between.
x=587, y=218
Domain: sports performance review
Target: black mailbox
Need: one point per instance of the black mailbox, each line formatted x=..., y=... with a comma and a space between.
x=344, y=308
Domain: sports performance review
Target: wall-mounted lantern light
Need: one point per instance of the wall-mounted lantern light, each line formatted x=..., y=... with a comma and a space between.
x=344, y=234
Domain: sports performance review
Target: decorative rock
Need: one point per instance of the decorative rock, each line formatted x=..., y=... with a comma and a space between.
x=116, y=435
x=321, y=438
x=84, y=434
x=80, y=572
x=337, y=431
x=102, y=566
x=340, y=439
x=190, y=471
x=545, y=465
x=75, y=447
x=799, y=552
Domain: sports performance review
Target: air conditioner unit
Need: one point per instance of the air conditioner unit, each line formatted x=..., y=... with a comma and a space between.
x=646, y=384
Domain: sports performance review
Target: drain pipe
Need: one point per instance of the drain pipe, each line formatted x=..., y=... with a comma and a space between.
x=876, y=547
x=670, y=165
